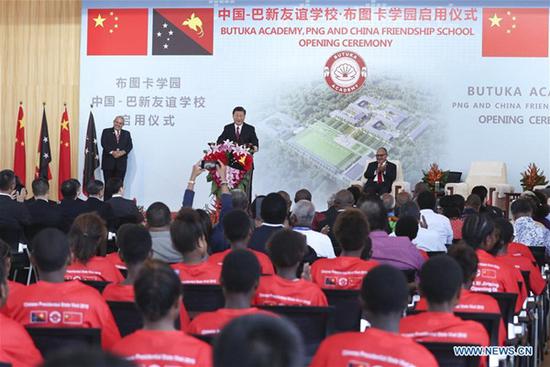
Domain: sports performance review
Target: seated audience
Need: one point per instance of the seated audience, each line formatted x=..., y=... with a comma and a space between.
x=441, y=281
x=485, y=208
x=237, y=228
x=5, y=258
x=13, y=213
x=286, y=249
x=384, y=296
x=348, y=269
x=389, y=204
x=321, y=216
x=43, y=212
x=87, y=235
x=401, y=198
x=470, y=301
x=86, y=357
x=436, y=222
x=302, y=194
x=288, y=202
x=426, y=239
x=124, y=210
x=301, y=219
x=39, y=304
x=541, y=211
x=16, y=346
x=472, y=205
x=452, y=207
x=158, y=297
x=238, y=199
x=396, y=251
x=158, y=223
x=189, y=239
x=95, y=203
x=273, y=214
x=259, y=341
x=342, y=200
x=70, y=206
x=526, y=230
x=239, y=279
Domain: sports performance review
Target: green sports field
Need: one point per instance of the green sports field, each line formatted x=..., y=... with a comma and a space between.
x=318, y=139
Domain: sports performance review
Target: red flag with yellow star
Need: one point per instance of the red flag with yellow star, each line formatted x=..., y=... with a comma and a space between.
x=515, y=32
x=19, y=158
x=64, y=150
x=117, y=31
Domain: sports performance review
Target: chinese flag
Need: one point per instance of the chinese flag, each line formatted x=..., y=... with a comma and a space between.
x=515, y=32
x=19, y=165
x=64, y=150
x=117, y=31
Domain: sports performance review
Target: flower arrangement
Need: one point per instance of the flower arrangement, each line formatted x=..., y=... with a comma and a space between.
x=433, y=175
x=532, y=177
x=237, y=158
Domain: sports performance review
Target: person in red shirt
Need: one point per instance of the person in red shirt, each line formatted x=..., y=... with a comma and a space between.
x=259, y=341
x=189, y=238
x=384, y=295
x=520, y=248
x=470, y=301
x=287, y=249
x=16, y=346
x=53, y=302
x=239, y=280
x=518, y=260
x=87, y=234
x=351, y=231
x=237, y=229
x=158, y=298
x=441, y=281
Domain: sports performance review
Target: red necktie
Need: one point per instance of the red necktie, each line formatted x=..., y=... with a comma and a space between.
x=379, y=177
x=117, y=134
x=238, y=133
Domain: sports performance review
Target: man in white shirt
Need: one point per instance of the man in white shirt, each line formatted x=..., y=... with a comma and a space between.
x=301, y=219
x=436, y=222
x=426, y=239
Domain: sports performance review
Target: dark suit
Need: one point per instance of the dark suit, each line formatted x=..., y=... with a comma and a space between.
x=388, y=177
x=44, y=214
x=111, y=166
x=125, y=210
x=260, y=236
x=14, y=216
x=329, y=220
x=102, y=209
x=247, y=135
x=70, y=209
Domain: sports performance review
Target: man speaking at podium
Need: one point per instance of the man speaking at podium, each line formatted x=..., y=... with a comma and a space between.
x=381, y=173
x=239, y=132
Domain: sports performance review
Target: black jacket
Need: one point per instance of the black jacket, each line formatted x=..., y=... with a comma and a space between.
x=258, y=240
x=108, y=143
x=247, y=135
x=103, y=209
x=125, y=210
x=70, y=209
x=389, y=174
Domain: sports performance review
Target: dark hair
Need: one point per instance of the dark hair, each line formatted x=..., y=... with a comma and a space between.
x=240, y=271
x=236, y=225
x=384, y=290
x=76, y=183
x=426, y=200
x=505, y=230
x=409, y=209
x=40, y=186
x=158, y=215
x=186, y=230
x=85, y=357
x=356, y=192
x=239, y=109
x=440, y=279
x=50, y=249
x=302, y=194
x=521, y=206
x=476, y=228
x=157, y=288
x=113, y=186
x=542, y=209
x=239, y=199
x=351, y=229
x=88, y=232
x=134, y=242
x=481, y=192
x=274, y=209
x=286, y=248
x=407, y=226
x=255, y=207
x=69, y=189
x=459, y=202
x=473, y=201
x=5, y=250
x=449, y=206
x=94, y=187
x=466, y=257
x=206, y=223
x=376, y=214
x=259, y=341
x=7, y=179
x=366, y=254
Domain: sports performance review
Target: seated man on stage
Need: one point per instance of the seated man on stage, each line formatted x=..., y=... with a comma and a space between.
x=380, y=174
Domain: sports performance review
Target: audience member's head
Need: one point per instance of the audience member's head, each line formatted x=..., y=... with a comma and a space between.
x=259, y=341
x=351, y=230
x=256, y=208
x=7, y=181
x=505, y=231
x=95, y=188
x=521, y=208
x=239, y=199
x=85, y=357
x=274, y=209
x=158, y=215
x=426, y=200
x=401, y=198
x=478, y=232
x=40, y=188
x=343, y=199
x=69, y=189
x=459, y=202
x=542, y=210
x=407, y=226
x=473, y=202
x=376, y=214
x=302, y=194
x=135, y=243
x=50, y=251
x=187, y=233
x=449, y=207
x=286, y=196
x=286, y=248
x=420, y=187
x=237, y=227
x=206, y=223
x=115, y=186
x=467, y=258
x=157, y=291
x=441, y=279
x=389, y=202
x=481, y=192
x=240, y=273
x=356, y=191
x=410, y=209
x=87, y=234
x=302, y=214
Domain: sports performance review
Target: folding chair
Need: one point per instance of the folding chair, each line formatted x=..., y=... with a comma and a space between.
x=97, y=284
x=199, y=298
x=507, y=304
x=490, y=321
x=445, y=355
x=539, y=253
x=49, y=340
x=127, y=317
x=347, y=309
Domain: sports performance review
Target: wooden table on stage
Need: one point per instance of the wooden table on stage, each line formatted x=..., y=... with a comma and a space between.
x=511, y=196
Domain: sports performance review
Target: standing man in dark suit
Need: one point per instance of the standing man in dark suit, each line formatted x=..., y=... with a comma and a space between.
x=116, y=144
x=14, y=215
x=239, y=131
x=381, y=173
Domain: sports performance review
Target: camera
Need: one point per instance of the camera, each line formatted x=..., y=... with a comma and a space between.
x=209, y=165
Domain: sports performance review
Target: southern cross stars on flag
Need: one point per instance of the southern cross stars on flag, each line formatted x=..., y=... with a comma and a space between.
x=44, y=151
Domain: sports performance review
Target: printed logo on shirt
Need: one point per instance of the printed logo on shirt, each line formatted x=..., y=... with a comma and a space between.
x=489, y=273
x=39, y=317
x=358, y=364
x=73, y=318
x=342, y=282
x=330, y=281
x=55, y=317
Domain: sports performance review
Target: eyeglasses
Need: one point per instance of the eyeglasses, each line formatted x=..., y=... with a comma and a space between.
x=380, y=155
